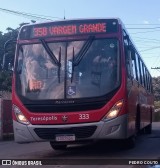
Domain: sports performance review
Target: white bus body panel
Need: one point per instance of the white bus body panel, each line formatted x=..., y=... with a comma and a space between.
x=111, y=129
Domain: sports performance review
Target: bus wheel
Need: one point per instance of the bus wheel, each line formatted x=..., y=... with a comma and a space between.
x=138, y=120
x=148, y=129
x=58, y=147
x=129, y=143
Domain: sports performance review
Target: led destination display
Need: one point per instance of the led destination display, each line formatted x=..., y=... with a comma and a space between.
x=68, y=28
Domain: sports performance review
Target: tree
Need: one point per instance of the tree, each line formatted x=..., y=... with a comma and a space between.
x=5, y=76
x=156, y=88
x=5, y=81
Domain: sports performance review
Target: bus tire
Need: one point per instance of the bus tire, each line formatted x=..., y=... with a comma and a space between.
x=138, y=121
x=148, y=129
x=129, y=143
x=57, y=147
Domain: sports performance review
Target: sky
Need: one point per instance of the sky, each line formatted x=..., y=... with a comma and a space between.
x=141, y=18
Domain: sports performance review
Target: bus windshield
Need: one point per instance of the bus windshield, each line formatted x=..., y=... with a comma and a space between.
x=67, y=70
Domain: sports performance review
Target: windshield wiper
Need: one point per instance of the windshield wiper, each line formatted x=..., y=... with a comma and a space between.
x=72, y=66
x=53, y=57
x=50, y=53
x=59, y=67
x=83, y=51
x=81, y=54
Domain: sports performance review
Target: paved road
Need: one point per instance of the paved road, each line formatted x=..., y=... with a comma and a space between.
x=147, y=147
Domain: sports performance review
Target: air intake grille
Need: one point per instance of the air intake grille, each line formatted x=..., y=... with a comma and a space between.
x=79, y=132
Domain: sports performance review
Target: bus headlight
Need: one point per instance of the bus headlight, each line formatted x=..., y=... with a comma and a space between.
x=113, y=112
x=20, y=117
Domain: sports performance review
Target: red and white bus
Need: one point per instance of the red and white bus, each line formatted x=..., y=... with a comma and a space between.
x=76, y=81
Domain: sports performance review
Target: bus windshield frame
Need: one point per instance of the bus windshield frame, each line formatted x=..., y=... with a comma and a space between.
x=76, y=58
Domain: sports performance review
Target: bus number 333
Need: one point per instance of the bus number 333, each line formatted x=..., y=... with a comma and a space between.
x=83, y=116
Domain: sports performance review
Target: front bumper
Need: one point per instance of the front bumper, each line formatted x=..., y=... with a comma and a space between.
x=111, y=129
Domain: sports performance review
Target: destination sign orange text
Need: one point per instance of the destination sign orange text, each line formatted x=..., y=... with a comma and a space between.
x=72, y=29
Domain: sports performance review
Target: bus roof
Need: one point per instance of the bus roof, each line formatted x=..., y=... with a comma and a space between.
x=75, y=19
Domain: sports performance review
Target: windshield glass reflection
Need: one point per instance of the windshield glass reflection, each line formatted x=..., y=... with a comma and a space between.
x=92, y=73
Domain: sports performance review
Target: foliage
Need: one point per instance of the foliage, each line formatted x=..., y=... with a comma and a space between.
x=156, y=88
x=157, y=104
x=5, y=81
x=5, y=76
x=156, y=91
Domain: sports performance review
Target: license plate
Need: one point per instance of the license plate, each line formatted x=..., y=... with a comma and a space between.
x=63, y=138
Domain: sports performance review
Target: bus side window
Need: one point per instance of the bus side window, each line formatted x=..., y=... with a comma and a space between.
x=135, y=74
x=129, y=62
x=129, y=65
x=128, y=56
x=142, y=73
x=145, y=76
x=138, y=68
x=147, y=79
x=150, y=84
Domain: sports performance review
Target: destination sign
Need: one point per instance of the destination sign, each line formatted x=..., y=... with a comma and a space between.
x=69, y=28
